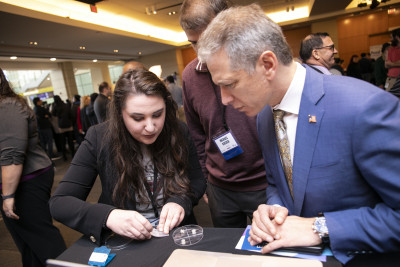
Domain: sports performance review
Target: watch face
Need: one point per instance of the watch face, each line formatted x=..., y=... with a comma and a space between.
x=320, y=226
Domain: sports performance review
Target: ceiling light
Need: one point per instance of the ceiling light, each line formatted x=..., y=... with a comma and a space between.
x=53, y=59
x=13, y=58
x=33, y=43
x=284, y=15
x=140, y=53
x=94, y=60
x=82, y=48
x=115, y=50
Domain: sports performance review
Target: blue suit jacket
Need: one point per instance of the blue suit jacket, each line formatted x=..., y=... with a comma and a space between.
x=346, y=165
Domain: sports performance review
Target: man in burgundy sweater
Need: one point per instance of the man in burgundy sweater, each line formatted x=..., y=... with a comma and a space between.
x=226, y=139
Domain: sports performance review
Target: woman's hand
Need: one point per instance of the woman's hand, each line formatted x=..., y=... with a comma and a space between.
x=130, y=224
x=171, y=216
x=8, y=208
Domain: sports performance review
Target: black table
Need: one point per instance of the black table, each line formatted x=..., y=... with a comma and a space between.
x=156, y=251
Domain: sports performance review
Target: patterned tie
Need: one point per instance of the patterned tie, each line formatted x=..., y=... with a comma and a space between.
x=284, y=149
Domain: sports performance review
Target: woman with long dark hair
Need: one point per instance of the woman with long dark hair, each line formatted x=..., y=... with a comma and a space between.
x=26, y=179
x=145, y=159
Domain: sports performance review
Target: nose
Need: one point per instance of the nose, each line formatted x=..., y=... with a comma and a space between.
x=149, y=127
x=226, y=97
x=335, y=51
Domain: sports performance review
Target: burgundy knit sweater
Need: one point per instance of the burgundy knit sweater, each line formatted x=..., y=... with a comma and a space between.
x=203, y=110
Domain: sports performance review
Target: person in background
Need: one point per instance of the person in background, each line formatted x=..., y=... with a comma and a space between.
x=90, y=110
x=26, y=179
x=44, y=128
x=318, y=51
x=337, y=68
x=380, y=70
x=64, y=115
x=76, y=118
x=366, y=67
x=353, y=69
x=392, y=62
x=174, y=89
x=102, y=101
x=331, y=176
x=146, y=161
x=226, y=140
x=133, y=65
x=85, y=122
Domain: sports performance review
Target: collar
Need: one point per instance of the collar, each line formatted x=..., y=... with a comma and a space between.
x=291, y=100
x=321, y=68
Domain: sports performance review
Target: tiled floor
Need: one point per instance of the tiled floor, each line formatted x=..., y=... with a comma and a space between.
x=9, y=254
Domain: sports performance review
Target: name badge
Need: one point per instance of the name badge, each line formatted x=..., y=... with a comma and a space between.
x=227, y=145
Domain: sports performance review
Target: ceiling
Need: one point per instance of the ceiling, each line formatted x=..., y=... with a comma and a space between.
x=62, y=37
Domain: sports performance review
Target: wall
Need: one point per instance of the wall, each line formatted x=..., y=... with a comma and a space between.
x=357, y=33
x=166, y=59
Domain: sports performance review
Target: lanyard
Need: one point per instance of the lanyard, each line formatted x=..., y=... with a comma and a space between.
x=153, y=195
x=219, y=102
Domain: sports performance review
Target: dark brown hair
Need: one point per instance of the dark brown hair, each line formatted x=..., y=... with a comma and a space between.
x=169, y=153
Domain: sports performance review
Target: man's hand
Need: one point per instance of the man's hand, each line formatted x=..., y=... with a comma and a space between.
x=129, y=223
x=205, y=198
x=294, y=232
x=171, y=216
x=265, y=220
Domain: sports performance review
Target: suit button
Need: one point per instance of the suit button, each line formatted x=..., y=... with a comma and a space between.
x=93, y=239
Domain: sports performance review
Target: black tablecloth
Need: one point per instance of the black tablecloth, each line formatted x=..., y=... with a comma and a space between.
x=156, y=251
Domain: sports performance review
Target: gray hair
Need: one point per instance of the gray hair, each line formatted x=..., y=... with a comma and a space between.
x=244, y=33
x=195, y=15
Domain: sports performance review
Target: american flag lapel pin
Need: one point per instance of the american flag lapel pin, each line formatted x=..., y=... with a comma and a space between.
x=312, y=119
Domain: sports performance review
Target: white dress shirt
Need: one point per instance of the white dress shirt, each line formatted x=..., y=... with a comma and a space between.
x=291, y=105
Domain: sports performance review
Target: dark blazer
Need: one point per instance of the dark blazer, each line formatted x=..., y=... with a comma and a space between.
x=346, y=164
x=68, y=203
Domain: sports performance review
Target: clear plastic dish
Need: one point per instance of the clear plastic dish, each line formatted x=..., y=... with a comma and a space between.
x=188, y=235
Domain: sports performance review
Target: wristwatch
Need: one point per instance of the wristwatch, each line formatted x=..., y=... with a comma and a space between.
x=319, y=226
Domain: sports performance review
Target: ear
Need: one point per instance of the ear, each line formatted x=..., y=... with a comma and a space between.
x=269, y=62
x=315, y=54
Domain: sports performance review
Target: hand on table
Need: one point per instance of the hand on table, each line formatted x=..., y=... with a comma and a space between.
x=9, y=207
x=171, y=216
x=130, y=224
x=265, y=221
x=294, y=232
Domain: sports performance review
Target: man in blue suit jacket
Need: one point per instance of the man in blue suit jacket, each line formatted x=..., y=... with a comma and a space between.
x=344, y=140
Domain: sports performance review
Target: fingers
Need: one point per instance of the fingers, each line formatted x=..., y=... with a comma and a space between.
x=171, y=216
x=272, y=246
x=129, y=223
x=280, y=214
x=8, y=208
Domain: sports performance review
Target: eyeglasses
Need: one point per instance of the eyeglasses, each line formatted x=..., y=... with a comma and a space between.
x=331, y=47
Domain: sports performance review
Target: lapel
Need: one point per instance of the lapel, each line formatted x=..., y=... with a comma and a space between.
x=306, y=135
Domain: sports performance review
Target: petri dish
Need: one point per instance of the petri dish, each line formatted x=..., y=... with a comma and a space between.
x=188, y=235
x=117, y=242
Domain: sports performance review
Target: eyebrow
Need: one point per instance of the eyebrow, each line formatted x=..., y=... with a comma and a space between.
x=141, y=114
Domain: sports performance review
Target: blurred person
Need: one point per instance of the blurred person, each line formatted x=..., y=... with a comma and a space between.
x=380, y=71
x=174, y=89
x=365, y=67
x=26, y=179
x=331, y=178
x=337, y=68
x=392, y=62
x=44, y=127
x=102, y=101
x=226, y=140
x=146, y=161
x=318, y=51
x=133, y=65
x=90, y=110
x=76, y=118
x=63, y=112
x=84, y=118
x=353, y=69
